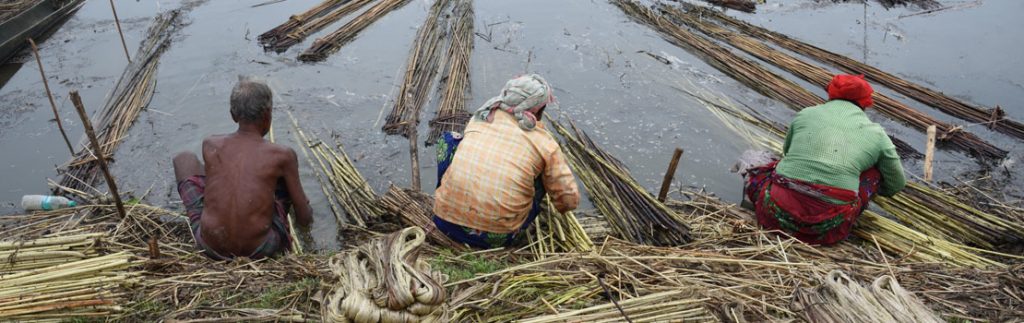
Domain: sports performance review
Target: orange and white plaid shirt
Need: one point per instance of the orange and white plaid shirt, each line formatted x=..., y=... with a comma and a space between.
x=489, y=184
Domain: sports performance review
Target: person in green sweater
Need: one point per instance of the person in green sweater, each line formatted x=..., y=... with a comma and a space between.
x=835, y=160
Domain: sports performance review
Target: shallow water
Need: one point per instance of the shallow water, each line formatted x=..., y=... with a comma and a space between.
x=588, y=50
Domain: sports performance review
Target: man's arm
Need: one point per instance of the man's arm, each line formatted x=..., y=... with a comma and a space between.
x=893, y=179
x=303, y=213
x=560, y=183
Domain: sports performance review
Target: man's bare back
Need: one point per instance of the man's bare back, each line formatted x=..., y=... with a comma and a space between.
x=236, y=203
x=242, y=173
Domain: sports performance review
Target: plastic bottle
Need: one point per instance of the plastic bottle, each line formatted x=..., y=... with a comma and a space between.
x=45, y=202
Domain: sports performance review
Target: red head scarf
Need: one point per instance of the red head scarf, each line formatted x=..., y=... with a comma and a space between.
x=852, y=88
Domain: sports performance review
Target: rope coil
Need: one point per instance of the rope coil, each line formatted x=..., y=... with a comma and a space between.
x=384, y=280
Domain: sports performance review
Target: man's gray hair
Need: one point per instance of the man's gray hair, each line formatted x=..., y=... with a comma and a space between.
x=251, y=99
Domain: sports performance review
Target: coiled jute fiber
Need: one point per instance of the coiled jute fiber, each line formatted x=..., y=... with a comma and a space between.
x=384, y=280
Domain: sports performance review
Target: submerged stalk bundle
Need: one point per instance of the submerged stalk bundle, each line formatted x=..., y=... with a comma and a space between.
x=349, y=194
x=270, y=37
x=282, y=42
x=928, y=96
x=745, y=71
x=420, y=72
x=634, y=214
x=329, y=44
x=817, y=75
x=451, y=112
x=133, y=92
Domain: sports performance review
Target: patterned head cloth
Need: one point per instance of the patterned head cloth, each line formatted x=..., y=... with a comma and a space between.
x=521, y=97
x=852, y=88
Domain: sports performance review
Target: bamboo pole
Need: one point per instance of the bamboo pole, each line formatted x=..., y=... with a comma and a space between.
x=414, y=156
x=49, y=95
x=117, y=22
x=671, y=172
x=929, y=154
x=100, y=159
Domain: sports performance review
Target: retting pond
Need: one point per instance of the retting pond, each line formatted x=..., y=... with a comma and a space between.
x=594, y=56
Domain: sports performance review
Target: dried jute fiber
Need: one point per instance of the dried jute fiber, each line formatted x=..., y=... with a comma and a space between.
x=384, y=280
x=841, y=299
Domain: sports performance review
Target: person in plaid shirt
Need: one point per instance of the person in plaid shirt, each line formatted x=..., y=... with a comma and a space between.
x=492, y=180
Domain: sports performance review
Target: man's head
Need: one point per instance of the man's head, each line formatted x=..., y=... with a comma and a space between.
x=851, y=88
x=251, y=102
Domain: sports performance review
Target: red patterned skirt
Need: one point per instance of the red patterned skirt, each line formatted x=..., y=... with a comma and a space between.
x=813, y=213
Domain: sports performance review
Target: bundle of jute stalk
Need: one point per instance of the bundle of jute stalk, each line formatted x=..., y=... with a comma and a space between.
x=269, y=38
x=634, y=214
x=415, y=208
x=555, y=232
x=385, y=280
x=49, y=251
x=130, y=95
x=933, y=98
x=821, y=77
x=329, y=44
x=935, y=226
x=420, y=72
x=349, y=194
x=451, y=111
x=62, y=277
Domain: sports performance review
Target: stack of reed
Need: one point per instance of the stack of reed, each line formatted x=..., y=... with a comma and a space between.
x=348, y=194
x=634, y=214
x=420, y=72
x=451, y=112
x=330, y=43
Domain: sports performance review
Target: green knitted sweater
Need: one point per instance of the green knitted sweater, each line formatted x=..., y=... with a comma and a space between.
x=833, y=143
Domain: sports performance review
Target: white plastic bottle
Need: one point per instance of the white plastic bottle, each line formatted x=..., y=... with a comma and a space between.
x=45, y=202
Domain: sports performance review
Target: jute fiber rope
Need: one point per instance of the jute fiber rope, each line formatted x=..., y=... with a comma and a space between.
x=841, y=299
x=384, y=280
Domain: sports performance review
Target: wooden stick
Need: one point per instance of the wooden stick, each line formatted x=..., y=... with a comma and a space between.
x=414, y=156
x=669, y=174
x=53, y=105
x=101, y=160
x=929, y=154
x=119, y=32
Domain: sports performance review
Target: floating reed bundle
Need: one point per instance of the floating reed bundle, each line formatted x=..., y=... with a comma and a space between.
x=270, y=37
x=451, y=112
x=930, y=97
x=385, y=280
x=820, y=76
x=747, y=6
x=62, y=276
x=132, y=93
x=634, y=214
x=420, y=72
x=935, y=214
x=281, y=42
x=555, y=232
x=416, y=209
x=329, y=44
x=751, y=74
x=348, y=194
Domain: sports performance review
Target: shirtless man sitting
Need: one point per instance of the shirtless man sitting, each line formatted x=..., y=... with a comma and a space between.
x=237, y=204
